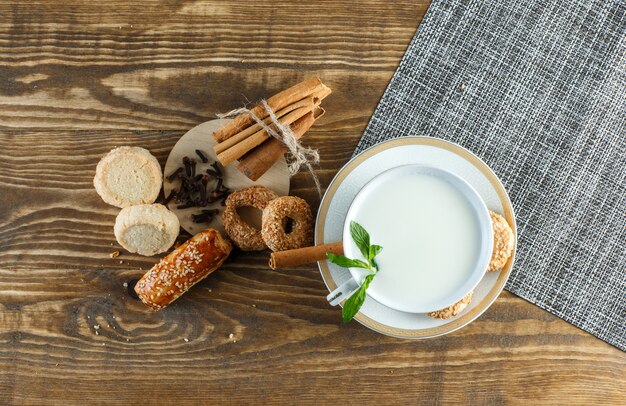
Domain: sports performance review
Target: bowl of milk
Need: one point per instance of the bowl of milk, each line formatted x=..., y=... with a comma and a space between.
x=436, y=235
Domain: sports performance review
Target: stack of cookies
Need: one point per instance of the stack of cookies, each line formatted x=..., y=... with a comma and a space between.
x=130, y=178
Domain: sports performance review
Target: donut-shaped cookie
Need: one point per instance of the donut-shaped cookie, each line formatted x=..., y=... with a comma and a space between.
x=241, y=233
x=275, y=217
x=503, y=242
x=127, y=176
x=452, y=310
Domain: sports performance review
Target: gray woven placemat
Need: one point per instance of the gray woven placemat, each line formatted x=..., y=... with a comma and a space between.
x=537, y=89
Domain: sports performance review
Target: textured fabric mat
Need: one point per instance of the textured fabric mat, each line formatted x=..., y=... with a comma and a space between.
x=537, y=89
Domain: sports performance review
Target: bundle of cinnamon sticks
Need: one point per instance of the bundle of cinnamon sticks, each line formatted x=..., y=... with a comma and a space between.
x=245, y=140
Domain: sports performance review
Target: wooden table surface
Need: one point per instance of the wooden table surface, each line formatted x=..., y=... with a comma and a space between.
x=77, y=80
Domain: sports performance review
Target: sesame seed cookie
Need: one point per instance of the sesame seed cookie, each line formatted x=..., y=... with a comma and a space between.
x=275, y=217
x=128, y=176
x=241, y=233
x=503, y=242
x=453, y=310
x=146, y=229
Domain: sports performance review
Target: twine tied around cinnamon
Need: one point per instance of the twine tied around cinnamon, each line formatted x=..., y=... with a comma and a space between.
x=298, y=155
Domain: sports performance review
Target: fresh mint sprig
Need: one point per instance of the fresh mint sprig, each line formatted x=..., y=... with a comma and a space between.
x=369, y=251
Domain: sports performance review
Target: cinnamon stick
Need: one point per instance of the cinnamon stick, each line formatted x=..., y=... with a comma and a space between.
x=240, y=149
x=276, y=102
x=242, y=135
x=322, y=93
x=301, y=256
x=261, y=159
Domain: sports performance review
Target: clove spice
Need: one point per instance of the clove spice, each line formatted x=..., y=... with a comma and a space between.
x=194, y=190
x=202, y=156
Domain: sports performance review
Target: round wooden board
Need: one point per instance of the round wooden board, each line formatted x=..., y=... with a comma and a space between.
x=200, y=137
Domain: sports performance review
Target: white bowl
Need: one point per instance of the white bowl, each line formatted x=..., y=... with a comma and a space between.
x=417, y=304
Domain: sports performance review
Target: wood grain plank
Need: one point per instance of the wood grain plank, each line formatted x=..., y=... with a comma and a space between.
x=79, y=79
x=276, y=353
x=57, y=282
x=171, y=66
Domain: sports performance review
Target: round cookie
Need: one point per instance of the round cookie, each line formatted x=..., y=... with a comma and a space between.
x=503, y=242
x=146, y=229
x=241, y=233
x=275, y=217
x=127, y=176
x=453, y=310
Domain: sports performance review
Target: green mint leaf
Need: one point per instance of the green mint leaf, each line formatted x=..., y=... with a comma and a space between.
x=361, y=238
x=374, y=264
x=373, y=251
x=353, y=304
x=345, y=262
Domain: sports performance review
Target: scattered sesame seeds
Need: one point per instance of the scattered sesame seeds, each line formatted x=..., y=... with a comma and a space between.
x=114, y=254
x=462, y=86
x=121, y=262
x=96, y=326
x=231, y=335
x=186, y=340
x=125, y=284
x=253, y=305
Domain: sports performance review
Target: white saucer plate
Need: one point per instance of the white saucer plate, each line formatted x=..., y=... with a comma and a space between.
x=390, y=154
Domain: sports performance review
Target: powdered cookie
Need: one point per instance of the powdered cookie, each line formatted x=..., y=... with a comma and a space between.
x=127, y=176
x=241, y=233
x=147, y=229
x=453, y=310
x=275, y=217
x=503, y=242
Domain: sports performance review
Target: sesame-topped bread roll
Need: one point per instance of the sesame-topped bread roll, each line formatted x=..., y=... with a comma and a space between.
x=183, y=268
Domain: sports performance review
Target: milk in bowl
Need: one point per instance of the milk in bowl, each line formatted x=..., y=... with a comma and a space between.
x=435, y=232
